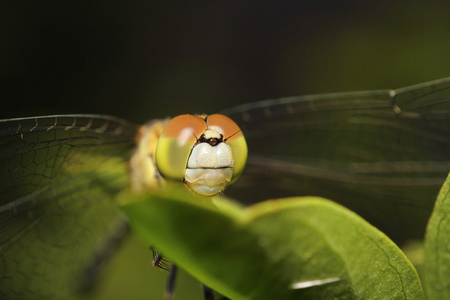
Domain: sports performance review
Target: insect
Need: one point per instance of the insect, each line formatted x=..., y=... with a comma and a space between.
x=383, y=154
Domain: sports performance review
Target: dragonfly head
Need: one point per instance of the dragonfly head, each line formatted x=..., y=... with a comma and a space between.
x=206, y=152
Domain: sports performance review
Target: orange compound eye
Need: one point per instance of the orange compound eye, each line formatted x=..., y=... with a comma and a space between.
x=227, y=127
x=175, y=145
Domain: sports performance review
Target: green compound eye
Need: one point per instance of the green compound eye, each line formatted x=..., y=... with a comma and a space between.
x=207, y=153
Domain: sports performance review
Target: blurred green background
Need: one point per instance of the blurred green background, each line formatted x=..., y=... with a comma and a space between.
x=146, y=59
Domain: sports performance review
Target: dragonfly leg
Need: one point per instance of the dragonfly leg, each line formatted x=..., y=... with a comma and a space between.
x=170, y=286
x=159, y=261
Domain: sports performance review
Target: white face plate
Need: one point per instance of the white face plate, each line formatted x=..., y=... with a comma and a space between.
x=209, y=168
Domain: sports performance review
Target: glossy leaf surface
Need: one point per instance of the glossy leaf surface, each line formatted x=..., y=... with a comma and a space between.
x=261, y=251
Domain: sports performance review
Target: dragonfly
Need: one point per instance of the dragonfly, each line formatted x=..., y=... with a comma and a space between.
x=383, y=154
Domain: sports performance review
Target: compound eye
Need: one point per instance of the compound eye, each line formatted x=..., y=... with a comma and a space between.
x=233, y=136
x=175, y=145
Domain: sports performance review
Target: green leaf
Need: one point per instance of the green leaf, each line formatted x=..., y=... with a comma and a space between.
x=437, y=254
x=259, y=252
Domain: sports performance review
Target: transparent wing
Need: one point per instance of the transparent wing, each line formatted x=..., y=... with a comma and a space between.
x=58, y=177
x=383, y=154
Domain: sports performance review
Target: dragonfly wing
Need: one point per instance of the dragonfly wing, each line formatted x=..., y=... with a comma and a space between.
x=383, y=154
x=58, y=178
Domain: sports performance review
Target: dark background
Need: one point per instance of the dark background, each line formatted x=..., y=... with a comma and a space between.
x=145, y=59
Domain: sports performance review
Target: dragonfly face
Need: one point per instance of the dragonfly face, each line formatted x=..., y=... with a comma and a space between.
x=383, y=154
x=206, y=152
